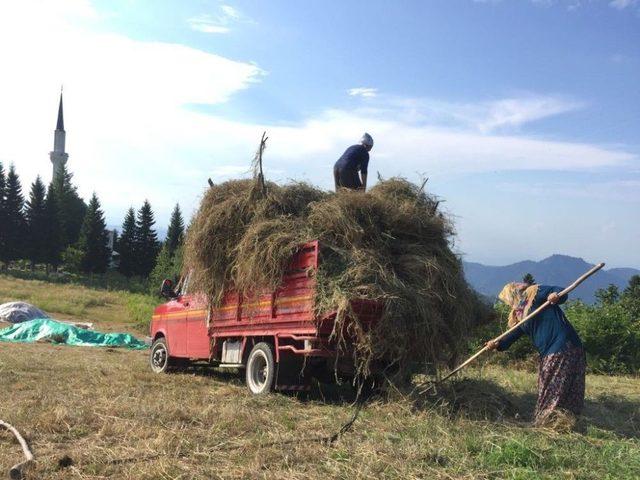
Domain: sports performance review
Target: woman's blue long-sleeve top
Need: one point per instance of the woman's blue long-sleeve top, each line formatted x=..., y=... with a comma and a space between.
x=550, y=331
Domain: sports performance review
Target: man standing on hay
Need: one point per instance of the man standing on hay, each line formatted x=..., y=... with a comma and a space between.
x=561, y=371
x=355, y=159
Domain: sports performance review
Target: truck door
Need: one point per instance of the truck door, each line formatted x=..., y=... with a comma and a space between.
x=176, y=321
x=197, y=332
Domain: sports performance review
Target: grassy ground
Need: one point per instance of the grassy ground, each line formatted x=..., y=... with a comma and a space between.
x=109, y=310
x=104, y=410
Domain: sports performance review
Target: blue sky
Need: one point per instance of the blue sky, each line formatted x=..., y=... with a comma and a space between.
x=523, y=114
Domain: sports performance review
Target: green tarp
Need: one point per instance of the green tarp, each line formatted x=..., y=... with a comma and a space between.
x=58, y=332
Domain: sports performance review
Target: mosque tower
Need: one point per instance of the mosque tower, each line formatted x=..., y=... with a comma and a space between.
x=59, y=157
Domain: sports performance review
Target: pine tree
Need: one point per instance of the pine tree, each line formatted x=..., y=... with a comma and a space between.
x=175, y=232
x=608, y=296
x=630, y=298
x=146, y=241
x=71, y=207
x=14, y=226
x=167, y=266
x=93, y=240
x=53, y=229
x=36, y=224
x=633, y=288
x=528, y=279
x=2, y=209
x=162, y=269
x=126, y=244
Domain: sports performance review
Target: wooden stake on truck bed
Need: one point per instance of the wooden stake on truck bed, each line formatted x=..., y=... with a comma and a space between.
x=525, y=319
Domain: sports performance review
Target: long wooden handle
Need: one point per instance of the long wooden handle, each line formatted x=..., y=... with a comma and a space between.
x=525, y=319
x=16, y=472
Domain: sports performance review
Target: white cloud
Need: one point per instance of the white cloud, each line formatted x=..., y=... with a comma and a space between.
x=500, y=115
x=619, y=58
x=366, y=92
x=627, y=191
x=622, y=4
x=219, y=22
x=571, y=5
x=231, y=12
x=515, y=112
x=207, y=24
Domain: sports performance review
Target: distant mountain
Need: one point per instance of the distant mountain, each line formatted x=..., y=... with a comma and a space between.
x=558, y=270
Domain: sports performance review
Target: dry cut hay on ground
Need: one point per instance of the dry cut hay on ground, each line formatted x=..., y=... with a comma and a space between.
x=390, y=244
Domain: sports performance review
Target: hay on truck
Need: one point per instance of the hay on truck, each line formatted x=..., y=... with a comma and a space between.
x=390, y=244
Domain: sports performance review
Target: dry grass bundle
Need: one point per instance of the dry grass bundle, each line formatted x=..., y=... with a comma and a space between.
x=558, y=420
x=241, y=238
x=389, y=244
x=473, y=398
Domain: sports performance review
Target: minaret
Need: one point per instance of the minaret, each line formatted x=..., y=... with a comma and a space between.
x=59, y=157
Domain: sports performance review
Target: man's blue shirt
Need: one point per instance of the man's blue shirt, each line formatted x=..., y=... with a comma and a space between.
x=354, y=159
x=550, y=331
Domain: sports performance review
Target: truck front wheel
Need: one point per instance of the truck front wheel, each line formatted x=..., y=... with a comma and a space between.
x=261, y=369
x=159, y=356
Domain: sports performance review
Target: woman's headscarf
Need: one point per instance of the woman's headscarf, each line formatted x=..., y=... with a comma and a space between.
x=520, y=300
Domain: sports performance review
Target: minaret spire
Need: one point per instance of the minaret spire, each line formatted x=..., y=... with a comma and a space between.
x=60, y=125
x=58, y=156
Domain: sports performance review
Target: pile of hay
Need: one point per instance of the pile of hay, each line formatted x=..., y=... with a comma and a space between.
x=389, y=244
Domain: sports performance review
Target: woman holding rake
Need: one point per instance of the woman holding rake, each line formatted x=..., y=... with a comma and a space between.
x=561, y=370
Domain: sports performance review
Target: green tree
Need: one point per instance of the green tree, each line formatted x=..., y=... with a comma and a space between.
x=611, y=337
x=71, y=207
x=93, y=240
x=633, y=288
x=53, y=229
x=36, y=224
x=146, y=241
x=126, y=245
x=14, y=226
x=175, y=233
x=168, y=265
x=2, y=208
x=630, y=298
x=608, y=296
x=528, y=279
x=72, y=259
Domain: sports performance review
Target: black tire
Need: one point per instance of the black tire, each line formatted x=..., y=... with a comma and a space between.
x=159, y=359
x=260, y=373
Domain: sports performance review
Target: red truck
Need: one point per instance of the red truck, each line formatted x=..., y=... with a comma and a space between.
x=275, y=336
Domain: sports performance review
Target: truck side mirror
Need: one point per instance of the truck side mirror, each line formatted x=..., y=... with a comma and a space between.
x=166, y=289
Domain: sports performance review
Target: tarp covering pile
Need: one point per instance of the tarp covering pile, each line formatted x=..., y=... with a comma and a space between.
x=390, y=244
x=45, y=329
x=16, y=312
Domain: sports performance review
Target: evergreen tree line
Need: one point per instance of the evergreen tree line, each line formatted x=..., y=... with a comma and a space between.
x=42, y=227
x=55, y=227
x=138, y=246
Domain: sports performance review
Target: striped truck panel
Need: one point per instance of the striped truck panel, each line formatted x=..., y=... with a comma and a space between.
x=288, y=309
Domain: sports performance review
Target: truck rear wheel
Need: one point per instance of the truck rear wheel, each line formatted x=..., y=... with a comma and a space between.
x=260, y=373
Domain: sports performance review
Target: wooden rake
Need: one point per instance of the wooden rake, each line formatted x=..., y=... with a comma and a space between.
x=571, y=287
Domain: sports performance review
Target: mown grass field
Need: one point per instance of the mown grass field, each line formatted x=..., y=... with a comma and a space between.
x=109, y=310
x=104, y=410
